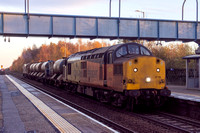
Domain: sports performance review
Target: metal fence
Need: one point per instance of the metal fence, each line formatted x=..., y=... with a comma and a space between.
x=176, y=76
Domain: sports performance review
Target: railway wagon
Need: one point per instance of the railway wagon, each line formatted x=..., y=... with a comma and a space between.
x=32, y=71
x=26, y=69
x=119, y=74
x=57, y=76
x=46, y=71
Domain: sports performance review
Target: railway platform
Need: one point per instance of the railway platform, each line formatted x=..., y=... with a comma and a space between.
x=181, y=92
x=24, y=109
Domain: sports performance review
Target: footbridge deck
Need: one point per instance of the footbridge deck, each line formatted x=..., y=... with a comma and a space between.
x=24, y=25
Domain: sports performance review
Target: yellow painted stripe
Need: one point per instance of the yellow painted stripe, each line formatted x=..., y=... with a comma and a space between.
x=60, y=123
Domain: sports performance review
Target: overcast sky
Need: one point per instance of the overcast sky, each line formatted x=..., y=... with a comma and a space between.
x=156, y=9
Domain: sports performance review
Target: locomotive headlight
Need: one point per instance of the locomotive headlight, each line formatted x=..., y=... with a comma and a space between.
x=158, y=69
x=148, y=79
x=135, y=69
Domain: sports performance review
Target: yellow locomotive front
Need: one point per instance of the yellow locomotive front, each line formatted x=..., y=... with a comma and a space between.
x=144, y=79
x=144, y=72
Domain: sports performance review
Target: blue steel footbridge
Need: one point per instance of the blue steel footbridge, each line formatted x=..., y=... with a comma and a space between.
x=43, y=25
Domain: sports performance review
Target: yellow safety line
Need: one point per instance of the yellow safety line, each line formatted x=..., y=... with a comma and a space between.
x=60, y=123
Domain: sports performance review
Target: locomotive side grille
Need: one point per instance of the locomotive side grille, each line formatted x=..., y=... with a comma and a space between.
x=100, y=73
x=118, y=69
x=83, y=65
x=84, y=73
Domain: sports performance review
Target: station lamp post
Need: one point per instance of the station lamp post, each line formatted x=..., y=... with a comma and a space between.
x=26, y=3
x=183, y=9
x=110, y=9
x=196, y=11
x=143, y=14
x=119, y=8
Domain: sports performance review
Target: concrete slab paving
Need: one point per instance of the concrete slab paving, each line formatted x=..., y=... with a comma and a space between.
x=11, y=120
x=82, y=122
x=181, y=92
x=19, y=115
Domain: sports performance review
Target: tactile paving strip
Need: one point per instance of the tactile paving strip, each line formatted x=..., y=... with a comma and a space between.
x=60, y=123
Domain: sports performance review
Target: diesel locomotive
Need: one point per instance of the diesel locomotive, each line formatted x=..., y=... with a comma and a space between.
x=123, y=74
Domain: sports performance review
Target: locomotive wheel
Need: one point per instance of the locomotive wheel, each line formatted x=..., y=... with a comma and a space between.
x=118, y=100
x=72, y=88
x=102, y=96
x=130, y=104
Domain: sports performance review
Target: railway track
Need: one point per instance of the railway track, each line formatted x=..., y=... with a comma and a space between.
x=102, y=119
x=164, y=119
x=179, y=123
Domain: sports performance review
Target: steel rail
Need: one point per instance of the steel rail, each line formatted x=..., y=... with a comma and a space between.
x=173, y=121
x=102, y=119
x=164, y=119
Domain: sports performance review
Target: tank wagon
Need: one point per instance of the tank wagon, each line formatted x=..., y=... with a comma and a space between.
x=58, y=69
x=26, y=69
x=122, y=74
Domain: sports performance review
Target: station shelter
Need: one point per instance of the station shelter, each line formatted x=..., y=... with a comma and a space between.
x=192, y=71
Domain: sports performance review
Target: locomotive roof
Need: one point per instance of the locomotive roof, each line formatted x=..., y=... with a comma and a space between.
x=191, y=57
x=100, y=50
x=77, y=56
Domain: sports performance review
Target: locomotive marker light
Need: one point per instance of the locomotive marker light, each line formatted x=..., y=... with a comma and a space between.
x=148, y=79
x=158, y=70
x=130, y=81
x=135, y=69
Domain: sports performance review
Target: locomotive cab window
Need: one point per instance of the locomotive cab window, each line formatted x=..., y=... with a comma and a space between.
x=93, y=56
x=121, y=52
x=133, y=49
x=144, y=51
x=101, y=55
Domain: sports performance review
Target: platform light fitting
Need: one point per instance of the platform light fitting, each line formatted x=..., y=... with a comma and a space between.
x=8, y=39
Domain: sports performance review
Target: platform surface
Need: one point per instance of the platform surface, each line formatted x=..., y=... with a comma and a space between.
x=25, y=109
x=181, y=92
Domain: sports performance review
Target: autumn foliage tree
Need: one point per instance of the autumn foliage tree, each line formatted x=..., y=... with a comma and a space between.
x=172, y=53
x=53, y=52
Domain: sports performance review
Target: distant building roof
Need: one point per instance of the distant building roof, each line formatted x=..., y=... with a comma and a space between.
x=192, y=57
